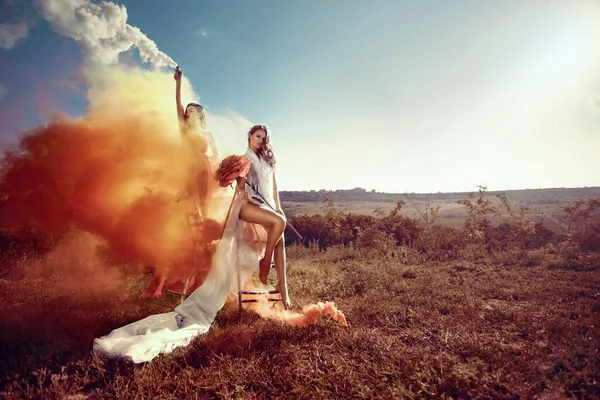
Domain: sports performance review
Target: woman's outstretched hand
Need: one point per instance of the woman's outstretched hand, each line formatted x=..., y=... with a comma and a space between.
x=178, y=73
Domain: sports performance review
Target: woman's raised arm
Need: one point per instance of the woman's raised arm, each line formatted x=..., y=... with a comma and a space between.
x=177, y=77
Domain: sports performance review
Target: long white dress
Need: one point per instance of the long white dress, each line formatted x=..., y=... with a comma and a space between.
x=241, y=246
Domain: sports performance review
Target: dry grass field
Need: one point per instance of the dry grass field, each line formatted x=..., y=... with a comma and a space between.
x=429, y=330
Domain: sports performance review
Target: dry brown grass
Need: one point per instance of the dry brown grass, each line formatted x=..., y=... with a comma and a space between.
x=446, y=330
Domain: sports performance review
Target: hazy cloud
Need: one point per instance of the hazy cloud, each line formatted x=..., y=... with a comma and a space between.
x=11, y=33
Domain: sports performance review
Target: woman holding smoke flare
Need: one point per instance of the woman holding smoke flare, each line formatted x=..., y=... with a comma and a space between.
x=199, y=184
x=198, y=141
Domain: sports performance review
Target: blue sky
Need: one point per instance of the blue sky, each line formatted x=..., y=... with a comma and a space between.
x=417, y=96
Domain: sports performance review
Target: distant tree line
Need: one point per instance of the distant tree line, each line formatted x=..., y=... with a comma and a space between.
x=392, y=232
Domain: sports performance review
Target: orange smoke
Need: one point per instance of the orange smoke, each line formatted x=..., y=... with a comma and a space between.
x=73, y=267
x=309, y=315
x=117, y=174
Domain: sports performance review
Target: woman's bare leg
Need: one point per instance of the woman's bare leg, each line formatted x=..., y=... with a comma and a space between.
x=161, y=285
x=149, y=293
x=273, y=223
x=281, y=269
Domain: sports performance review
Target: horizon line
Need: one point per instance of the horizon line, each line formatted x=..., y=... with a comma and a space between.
x=373, y=191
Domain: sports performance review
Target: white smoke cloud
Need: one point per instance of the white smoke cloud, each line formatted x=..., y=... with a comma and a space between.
x=102, y=33
x=101, y=30
x=11, y=33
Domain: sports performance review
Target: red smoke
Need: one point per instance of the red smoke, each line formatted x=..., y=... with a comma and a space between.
x=118, y=178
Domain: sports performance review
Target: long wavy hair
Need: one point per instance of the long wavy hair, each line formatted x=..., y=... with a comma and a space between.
x=201, y=114
x=265, y=151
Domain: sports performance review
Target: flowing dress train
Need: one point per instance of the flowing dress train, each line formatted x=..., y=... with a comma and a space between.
x=241, y=246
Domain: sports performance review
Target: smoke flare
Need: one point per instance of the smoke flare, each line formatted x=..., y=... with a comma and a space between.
x=309, y=315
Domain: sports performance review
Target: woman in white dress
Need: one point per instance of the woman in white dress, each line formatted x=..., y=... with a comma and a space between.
x=253, y=234
x=270, y=216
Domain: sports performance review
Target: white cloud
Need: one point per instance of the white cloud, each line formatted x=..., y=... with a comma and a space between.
x=11, y=33
x=101, y=30
x=202, y=32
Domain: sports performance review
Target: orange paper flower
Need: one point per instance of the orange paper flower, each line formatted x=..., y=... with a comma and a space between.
x=231, y=168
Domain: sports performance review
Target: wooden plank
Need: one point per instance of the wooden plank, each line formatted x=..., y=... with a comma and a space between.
x=256, y=301
x=259, y=291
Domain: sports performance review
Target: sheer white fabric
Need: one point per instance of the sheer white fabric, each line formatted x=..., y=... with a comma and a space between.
x=242, y=244
x=261, y=176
